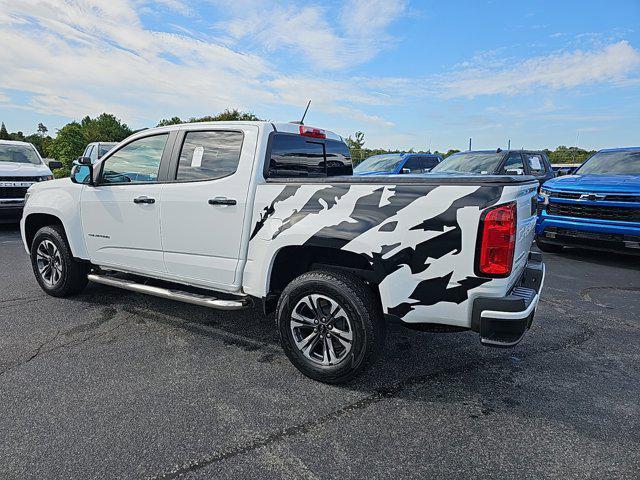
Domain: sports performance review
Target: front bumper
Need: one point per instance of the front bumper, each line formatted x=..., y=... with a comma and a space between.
x=591, y=233
x=503, y=321
x=11, y=210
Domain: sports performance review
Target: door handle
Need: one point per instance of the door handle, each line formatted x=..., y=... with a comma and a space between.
x=144, y=199
x=222, y=201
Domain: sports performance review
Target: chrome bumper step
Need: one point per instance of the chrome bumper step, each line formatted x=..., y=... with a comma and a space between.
x=181, y=296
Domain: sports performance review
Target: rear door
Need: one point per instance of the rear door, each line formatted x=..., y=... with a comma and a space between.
x=204, y=204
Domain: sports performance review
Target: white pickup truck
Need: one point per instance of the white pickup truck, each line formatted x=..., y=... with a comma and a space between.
x=231, y=214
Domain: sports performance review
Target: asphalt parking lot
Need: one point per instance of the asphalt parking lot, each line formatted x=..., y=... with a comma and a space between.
x=112, y=384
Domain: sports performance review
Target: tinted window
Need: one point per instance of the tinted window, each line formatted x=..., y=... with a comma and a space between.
x=209, y=155
x=485, y=163
x=603, y=163
x=429, y=162
x=296, y=156
x=514, y=162
x=414, y=164
x=421, y=164
x=338, y=158
x=88, y=150
x=139, y=161
x=535, y=162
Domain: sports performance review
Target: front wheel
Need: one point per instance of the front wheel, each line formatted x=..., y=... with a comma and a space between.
x=330, y=325
x=55, y=269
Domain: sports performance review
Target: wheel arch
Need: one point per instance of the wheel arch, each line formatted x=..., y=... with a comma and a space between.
x=292, y=261
x=35, y=221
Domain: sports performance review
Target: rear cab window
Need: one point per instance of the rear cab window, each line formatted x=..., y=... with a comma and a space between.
x=292, y=155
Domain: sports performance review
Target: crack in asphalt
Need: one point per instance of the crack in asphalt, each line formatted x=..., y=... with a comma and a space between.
x=303, y=428
x=584, y=293
x=380, y=394
x=70, y=344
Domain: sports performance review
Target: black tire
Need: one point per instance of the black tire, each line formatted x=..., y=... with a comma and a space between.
x=70, y=276
x=548, y=247
x=362, y=316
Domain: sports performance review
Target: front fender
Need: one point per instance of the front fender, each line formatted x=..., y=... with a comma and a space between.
x=60, y=199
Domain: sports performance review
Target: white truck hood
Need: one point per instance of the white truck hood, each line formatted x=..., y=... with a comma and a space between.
x=13, y=169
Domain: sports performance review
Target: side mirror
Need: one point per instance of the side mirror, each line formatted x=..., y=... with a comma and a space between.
x=81, y=173
x=84, y=160
x=405, y=170
x=54, y=164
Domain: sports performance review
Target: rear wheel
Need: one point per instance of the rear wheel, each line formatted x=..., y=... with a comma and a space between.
x=330, y=325
x=548, y=247
x=55, y=269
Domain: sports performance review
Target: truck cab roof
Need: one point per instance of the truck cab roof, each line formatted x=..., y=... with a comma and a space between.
x=283, y=127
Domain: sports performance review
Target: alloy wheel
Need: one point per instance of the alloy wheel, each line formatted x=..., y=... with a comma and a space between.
x=321, y=329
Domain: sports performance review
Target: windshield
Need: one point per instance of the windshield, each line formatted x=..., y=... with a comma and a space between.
x=379, y=163
x=19, y=154
x=603, y=163
x=470, y=162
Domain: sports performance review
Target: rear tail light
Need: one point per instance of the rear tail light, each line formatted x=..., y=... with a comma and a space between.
x=497, y=241
x=312, y=132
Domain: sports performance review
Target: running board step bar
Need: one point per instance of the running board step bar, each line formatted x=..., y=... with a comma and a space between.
x=186, y=297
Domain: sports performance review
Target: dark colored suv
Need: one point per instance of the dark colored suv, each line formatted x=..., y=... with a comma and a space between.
x=498, y=162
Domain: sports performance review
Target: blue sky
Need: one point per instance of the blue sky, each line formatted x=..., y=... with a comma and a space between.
x=407, y=73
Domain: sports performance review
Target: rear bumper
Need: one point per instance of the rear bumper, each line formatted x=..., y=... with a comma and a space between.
x=503, y=321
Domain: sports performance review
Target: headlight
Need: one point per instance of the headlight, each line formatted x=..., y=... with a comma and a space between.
x=544, y=196
x=45, y=178
x=26, y=197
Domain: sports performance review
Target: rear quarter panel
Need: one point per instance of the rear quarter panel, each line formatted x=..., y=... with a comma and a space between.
x=420, y=240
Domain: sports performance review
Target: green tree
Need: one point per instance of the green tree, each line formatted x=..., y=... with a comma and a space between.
x=67, y=146
x=4, y=135
x=42, y=129
x=104, y=128
x=356, y=146
x=169, y=121
x=226, y=116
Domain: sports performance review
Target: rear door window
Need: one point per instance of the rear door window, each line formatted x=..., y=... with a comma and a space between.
x=209, y=155
x=535, y=162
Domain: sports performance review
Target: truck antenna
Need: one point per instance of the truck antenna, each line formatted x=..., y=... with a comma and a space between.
x=301, y=122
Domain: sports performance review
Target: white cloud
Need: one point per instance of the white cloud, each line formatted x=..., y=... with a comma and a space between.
x=357, y=37
x=610, y=64
x=83, y=57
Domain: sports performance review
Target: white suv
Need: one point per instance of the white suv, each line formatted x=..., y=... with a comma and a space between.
x=20, y=167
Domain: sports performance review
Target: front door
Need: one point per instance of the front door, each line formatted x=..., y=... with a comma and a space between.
x=204, y=207
x=121, y=214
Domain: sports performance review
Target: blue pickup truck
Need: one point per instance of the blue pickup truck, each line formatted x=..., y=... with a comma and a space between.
x=597, y=207
x=396, y=163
